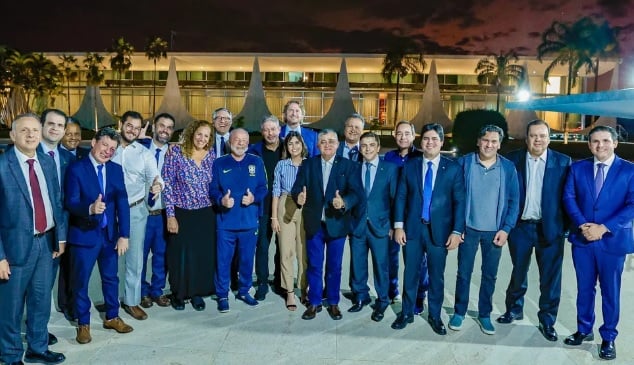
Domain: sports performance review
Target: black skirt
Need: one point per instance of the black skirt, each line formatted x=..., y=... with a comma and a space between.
x=191, y=254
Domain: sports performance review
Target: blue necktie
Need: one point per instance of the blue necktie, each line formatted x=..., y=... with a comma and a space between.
x=150, y=198
x=353, y=153
x=222, y=146
x=368, y=177
x=598, y=180
x=104, y=219
x=427, y=188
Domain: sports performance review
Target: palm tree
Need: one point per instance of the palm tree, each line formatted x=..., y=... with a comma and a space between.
x=94, y=68
x=499, y=70
x=568, y=43
x=155, y=50
x=603, y=42
x=46, y=82
x=69, y=67
x=121, y=61
x=402, y=59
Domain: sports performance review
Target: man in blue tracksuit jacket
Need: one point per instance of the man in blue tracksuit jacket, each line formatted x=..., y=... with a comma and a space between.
x=238, y=188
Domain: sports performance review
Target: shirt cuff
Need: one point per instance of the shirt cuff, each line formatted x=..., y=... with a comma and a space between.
x=398, y=225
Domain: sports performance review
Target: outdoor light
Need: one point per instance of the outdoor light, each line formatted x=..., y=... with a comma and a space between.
x=523, y=95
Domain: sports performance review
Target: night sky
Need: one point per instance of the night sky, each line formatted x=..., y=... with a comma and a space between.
x=347, y=26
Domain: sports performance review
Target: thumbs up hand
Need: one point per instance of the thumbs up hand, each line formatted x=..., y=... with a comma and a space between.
x=98, y=207
x=337, y=201
x=227, y=200
x=248, y=198
x=301, y=197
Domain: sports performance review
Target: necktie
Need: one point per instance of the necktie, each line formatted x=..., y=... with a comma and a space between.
x=38, y=201
x=368, y=177
x=427, y=188
x=150, y=199
x=598, y=180
x=104, y=219
x=222, y=146
x=326, y=174
x=353, y=153
x=52, y=154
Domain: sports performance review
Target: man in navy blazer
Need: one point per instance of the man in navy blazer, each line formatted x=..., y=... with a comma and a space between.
x=353, y=128
x=293, y=116
x=328, y=187
x=541, y=173
x=599, y=198
x=371, y=227
x=53, y=127
x=32, y=234
x=429, y=222
x=99, y=228
x=72, y=138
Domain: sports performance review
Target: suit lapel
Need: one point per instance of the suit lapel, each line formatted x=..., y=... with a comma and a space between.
x=16, y=170
x=440, y=174
x=613, y=173
x=379, y=177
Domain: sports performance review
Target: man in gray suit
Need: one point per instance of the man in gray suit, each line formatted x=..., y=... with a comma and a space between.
x=32, y=234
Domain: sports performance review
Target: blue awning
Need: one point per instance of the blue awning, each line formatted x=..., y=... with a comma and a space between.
x=613, y=103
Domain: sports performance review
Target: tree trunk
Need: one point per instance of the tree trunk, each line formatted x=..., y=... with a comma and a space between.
x=398, y=81
x=154, y=91
x=497, y=105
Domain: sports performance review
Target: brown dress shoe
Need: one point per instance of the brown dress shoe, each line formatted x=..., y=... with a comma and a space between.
x=135, y=311
x=146, y=302
x=161, y=301
x=83, y=334
x=117, y=324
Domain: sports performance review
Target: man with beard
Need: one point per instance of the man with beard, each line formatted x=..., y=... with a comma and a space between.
x=293, y=116
x=353, y=127
x=270, y=150
x=238, y=188
x=152, y=292
x=141, y=174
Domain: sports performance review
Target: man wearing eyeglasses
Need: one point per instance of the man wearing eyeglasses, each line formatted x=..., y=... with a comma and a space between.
x=142, y=180
x=222, y=119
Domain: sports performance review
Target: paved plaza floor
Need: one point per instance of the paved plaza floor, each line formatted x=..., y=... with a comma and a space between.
x=270, y=334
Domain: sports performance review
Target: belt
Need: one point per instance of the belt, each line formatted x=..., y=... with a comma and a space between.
x=156, y=212
x=42, y=234
x=132, y=205
x=531, y=221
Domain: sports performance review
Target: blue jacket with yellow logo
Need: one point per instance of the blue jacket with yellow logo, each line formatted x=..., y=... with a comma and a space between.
x=236, y=177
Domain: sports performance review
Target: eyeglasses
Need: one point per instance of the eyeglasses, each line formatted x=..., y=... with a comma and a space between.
x=220, y=119
x=330, y=142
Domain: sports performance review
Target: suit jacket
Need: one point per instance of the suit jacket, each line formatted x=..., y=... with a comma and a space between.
x=447, y=211
x=375, y=211
x=554, y=220
x=357, y=158
x=614, y=207
x=344, y=177
x=16, y=225
x=310, y=138
x=81, y=189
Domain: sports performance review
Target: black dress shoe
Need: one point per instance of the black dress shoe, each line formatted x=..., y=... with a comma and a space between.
x=46, y=357
x=358, y=305
x=334, y=312
x=509, y=317
x=378, y=313
x=548, y=332
x=402, y=321
x=608, y=350
x=178, y=304
x=437, y=325
x=198, y=303
x=261, y=291
x=311, y=311
x=52, y=340
x=577, y=338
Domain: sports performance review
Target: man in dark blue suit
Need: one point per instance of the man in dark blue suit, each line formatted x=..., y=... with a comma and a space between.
x=99, y=228
x=353, y=128
x=32, y=234
x=541, y=174
x=429, y=217
x=328, y=187
x=293, y=116
x=599, y=198
x=371, y=227
x=72, y=138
